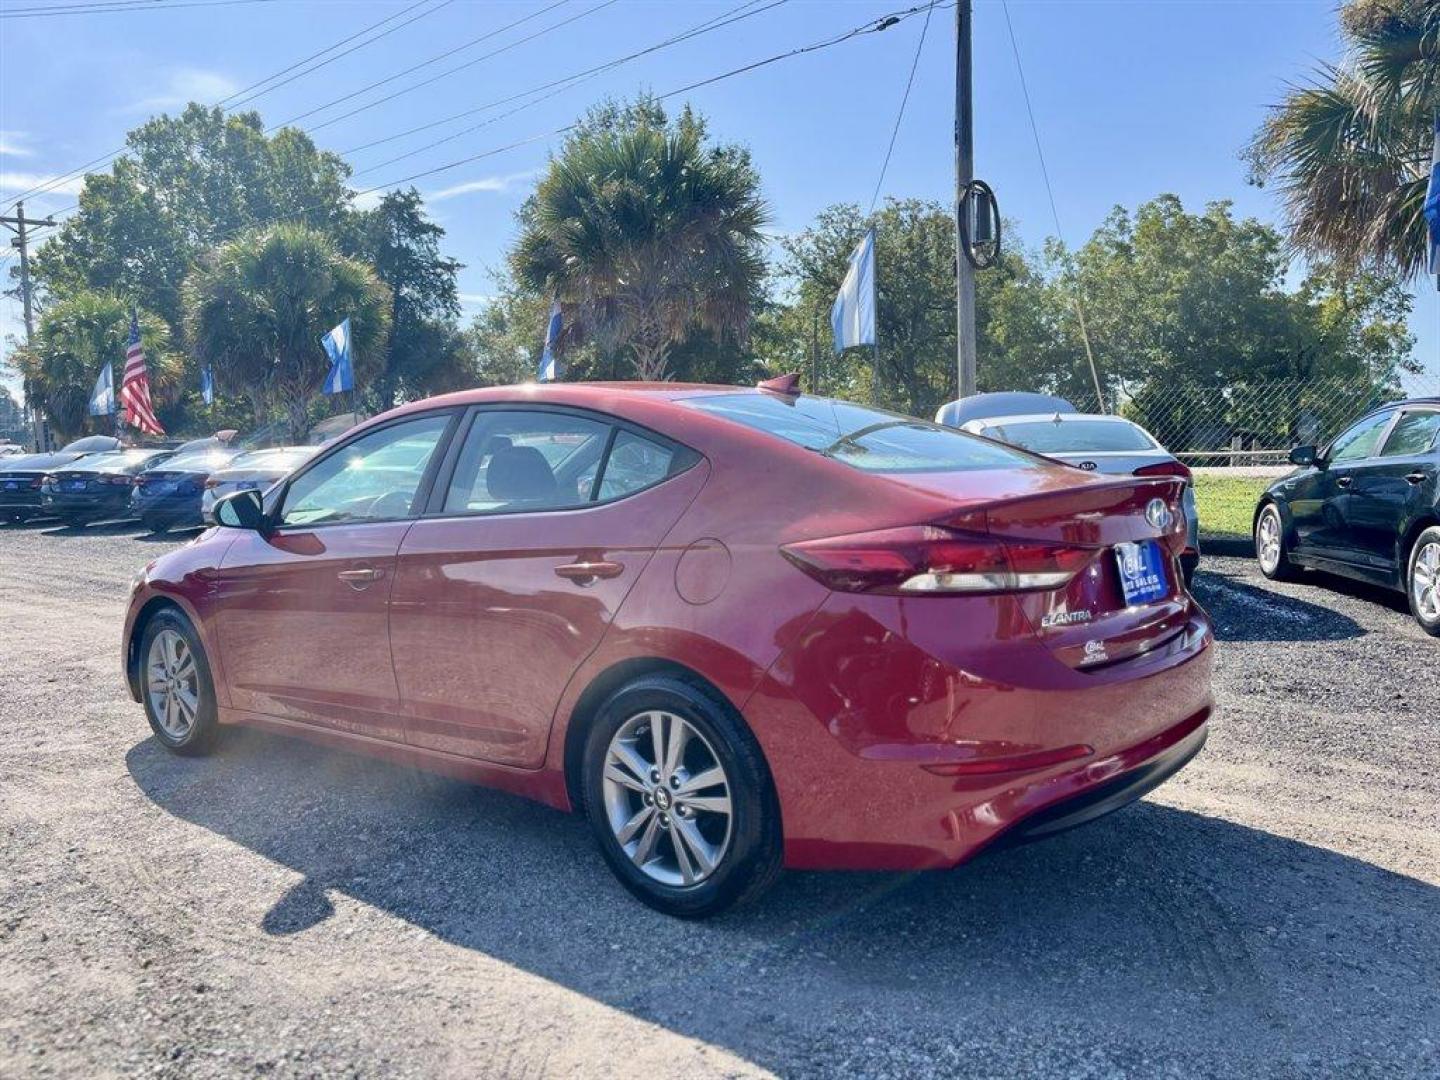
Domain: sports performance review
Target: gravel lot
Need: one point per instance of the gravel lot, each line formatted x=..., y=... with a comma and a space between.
x=279, y=909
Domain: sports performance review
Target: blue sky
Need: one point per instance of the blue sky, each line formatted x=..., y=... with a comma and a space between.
x=1131, y=98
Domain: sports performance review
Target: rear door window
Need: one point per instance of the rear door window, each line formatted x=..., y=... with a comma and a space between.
x=871, y=440
x=1414, y=434
x=526, y=460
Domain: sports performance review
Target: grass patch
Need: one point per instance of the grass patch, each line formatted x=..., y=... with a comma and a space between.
x=1226, y=504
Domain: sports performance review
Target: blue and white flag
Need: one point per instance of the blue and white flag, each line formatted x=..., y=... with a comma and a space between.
x=342, y=367
x=1432, y=207
x=102, y=398
x=853, y=316
x=549, y=365
x=207, y=385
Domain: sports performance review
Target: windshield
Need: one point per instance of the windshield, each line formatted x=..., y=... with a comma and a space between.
x=1073, y=436
x=865, y=438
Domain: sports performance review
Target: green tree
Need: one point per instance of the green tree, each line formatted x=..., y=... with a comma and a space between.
x=184, y=184
x=648, y=234
x=257, y=307
x=75, y=339
x=425, y=353
x=1350, y=150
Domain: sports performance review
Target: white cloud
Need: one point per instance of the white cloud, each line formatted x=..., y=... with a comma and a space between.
x=485, y=183
x=367, y=200
x=183, y=86
x=12, y=144
x=19, y=181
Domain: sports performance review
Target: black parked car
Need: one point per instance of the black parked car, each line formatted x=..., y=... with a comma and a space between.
x=96, y=487
x=21, y=476
x=1366, y=506
x=168, y=494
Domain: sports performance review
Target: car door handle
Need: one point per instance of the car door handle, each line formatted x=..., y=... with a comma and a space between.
x=1344, y=481
x=360, y=578
x=584, y=573
x=1416, y=477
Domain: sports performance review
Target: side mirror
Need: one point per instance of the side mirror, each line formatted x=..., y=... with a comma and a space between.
x=1303, y=456
x=241, y=510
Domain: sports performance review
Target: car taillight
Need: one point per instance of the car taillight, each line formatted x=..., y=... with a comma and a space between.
x=931, y=559
x=42, y=481
x=120, y=481
x=1166, y=468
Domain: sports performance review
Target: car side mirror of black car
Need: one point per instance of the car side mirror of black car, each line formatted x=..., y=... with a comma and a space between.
x=1304, y=455
x=241, y=510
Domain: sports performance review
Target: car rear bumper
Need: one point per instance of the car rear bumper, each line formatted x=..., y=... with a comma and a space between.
x=171, y=507
x=902, y=760
x=89, y=505
x=19, y=499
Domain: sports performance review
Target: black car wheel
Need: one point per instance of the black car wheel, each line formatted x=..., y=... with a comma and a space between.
x=155, y=525
x=679, y=798
x=176, y=686
x=1272, y=549
x=1422, y=580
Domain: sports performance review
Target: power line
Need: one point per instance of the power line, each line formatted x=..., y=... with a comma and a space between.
x=555, y=87
x=1050, y=193
x=102, y=159
x=435, y=60
x=123, y=7
x=904, y=100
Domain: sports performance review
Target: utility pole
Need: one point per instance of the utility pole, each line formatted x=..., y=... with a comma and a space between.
x=964, y=173
x=18, y=224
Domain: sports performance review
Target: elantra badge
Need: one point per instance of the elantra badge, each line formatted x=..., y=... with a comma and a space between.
x=1158, y=514
x=1064, y=618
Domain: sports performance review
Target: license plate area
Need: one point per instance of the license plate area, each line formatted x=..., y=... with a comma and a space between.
x=1142, y=571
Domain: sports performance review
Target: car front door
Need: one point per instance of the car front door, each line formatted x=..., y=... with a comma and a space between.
x=1392, y=488
x=304, y=606
x=1331, y=526
x=547, y=520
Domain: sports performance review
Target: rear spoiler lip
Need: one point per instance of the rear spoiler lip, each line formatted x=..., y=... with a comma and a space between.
x=977, y=517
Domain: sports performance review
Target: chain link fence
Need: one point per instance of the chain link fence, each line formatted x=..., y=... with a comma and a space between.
x=1254, y=425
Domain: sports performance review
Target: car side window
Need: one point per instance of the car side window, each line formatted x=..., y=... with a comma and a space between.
x=1361, y=440
x=634, y=463
x=1413, y=434
x=520, y=459
x=374, y=478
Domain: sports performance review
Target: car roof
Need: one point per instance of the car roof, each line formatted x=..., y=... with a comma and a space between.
x=1036, y=418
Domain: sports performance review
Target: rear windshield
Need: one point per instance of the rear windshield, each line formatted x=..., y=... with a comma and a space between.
x=122, y=459
x=1072, y=436
x=872, y=440
x=285, y=458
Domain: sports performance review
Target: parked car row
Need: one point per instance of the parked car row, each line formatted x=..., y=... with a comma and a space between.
x=97, y=478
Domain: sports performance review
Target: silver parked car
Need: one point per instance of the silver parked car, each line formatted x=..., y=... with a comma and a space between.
x=253, y=470
x=1097, y=443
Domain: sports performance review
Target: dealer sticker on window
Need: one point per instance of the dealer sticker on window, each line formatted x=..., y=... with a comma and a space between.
x=1142, y=571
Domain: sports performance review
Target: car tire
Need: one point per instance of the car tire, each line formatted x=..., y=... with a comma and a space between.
x=155, y=525
x=662, y=859
x=1272, y=549
x=182, y=730
x=1422, y=580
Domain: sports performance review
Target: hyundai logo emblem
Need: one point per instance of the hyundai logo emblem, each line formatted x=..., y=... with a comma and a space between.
x=1157, y=514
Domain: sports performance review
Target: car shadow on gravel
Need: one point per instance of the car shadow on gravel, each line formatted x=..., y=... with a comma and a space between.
x=1243, y=612
x=62, y=531
x=1177, y=931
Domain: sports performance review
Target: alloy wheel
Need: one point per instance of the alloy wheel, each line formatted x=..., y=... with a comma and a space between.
x=172, y=680
x=1267, y=540
x=1425, y=582
x=667, y=798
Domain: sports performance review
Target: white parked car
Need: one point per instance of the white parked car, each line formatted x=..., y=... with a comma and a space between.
x=253, y=470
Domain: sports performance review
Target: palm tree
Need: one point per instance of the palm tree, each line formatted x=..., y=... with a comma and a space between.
x=1351, y=150
x=76, y=338
x=645, y=235
x=257, y=307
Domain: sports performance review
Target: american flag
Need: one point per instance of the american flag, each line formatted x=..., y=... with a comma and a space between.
x=135, y=387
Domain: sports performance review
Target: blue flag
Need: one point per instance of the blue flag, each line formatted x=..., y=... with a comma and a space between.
x=342, y=368
x=853, y=316
x=549, y=365
x=102, y=398
x=207, y=385
x=1432, y=207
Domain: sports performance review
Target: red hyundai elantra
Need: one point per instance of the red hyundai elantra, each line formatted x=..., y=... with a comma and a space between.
x=742, y=628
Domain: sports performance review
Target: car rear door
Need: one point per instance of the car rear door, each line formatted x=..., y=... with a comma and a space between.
x=545, y=521
x=304, y=608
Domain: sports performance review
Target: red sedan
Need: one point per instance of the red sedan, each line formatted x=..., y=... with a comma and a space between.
x=741, y=628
